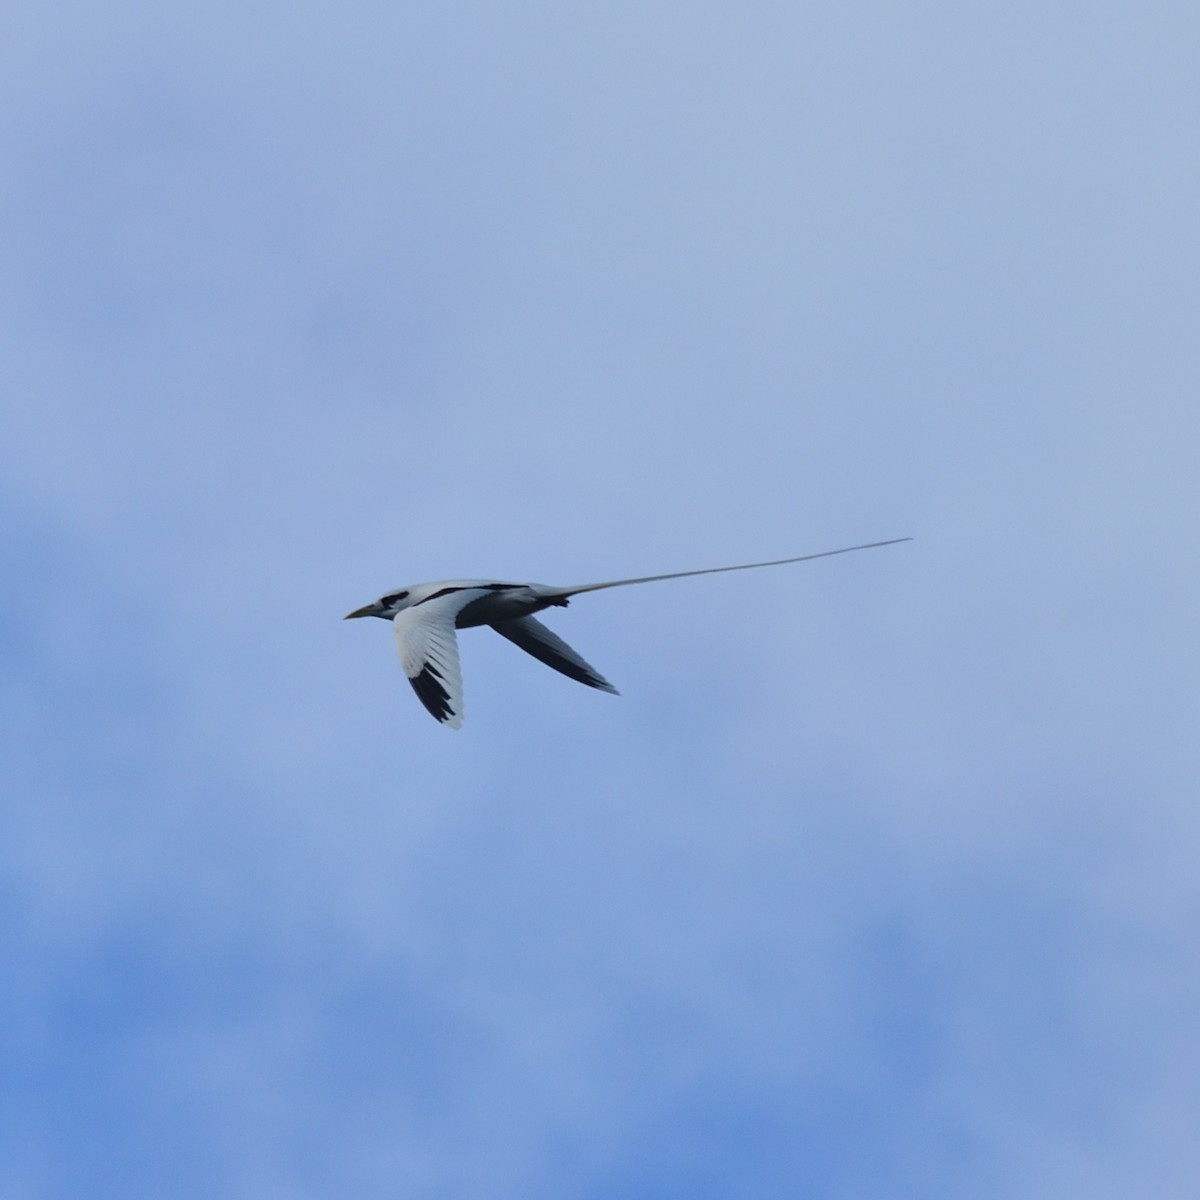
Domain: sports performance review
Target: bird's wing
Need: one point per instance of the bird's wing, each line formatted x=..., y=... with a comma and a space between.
x=428, y=652
x=775, y=562
x=534, y=638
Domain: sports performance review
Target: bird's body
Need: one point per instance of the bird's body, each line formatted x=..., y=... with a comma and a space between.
x=424, y=617
x=491, y=601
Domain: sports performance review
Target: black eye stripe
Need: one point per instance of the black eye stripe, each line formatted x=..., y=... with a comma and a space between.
x=394, y=598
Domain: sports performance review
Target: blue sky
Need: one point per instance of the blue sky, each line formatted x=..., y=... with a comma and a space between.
x=879, y=877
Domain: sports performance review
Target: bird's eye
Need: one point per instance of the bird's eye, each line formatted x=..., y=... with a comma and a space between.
x=394, y=598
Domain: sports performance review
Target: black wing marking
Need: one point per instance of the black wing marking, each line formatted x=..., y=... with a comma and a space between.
x=432, y=693
x=546, y=646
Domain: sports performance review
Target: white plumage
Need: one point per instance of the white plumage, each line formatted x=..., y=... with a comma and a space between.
x=424, y=618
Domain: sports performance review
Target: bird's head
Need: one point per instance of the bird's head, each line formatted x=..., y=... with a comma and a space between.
x=387, y=606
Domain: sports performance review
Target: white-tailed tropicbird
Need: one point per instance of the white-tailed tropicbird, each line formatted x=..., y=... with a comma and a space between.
x=424, y=617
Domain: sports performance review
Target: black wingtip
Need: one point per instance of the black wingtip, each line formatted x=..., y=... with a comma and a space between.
x=432, y=693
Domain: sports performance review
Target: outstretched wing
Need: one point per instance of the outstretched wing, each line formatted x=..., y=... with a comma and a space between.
x=428, y=652
x=534, y=638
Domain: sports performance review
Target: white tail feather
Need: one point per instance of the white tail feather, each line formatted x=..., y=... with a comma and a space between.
x=775, y=562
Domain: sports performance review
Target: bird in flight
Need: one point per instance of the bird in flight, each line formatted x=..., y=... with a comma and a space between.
x=424, y=617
